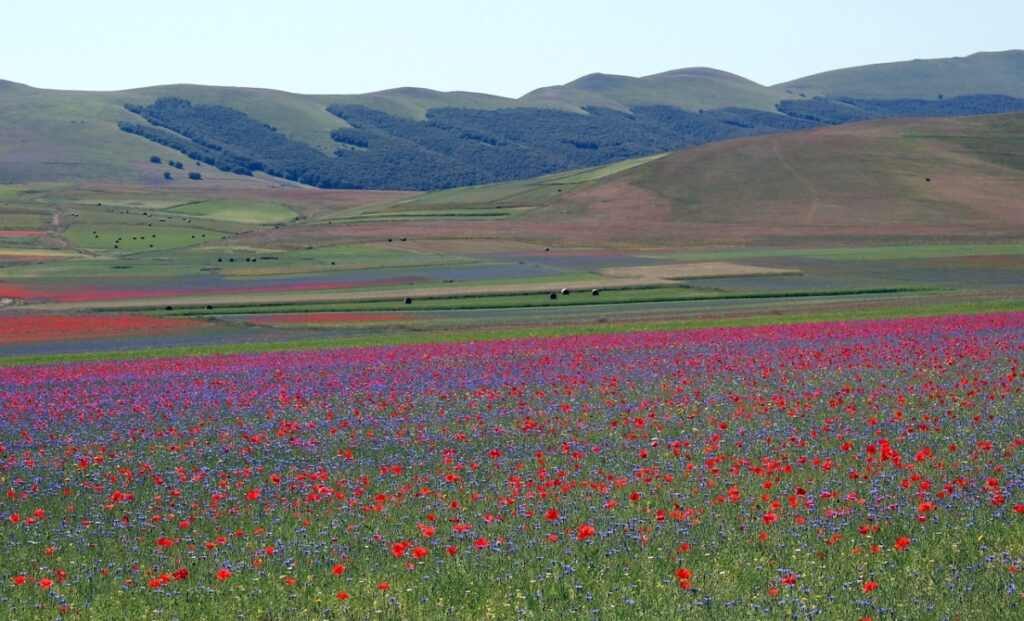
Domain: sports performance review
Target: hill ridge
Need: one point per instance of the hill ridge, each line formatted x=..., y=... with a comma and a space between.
x=417, y=138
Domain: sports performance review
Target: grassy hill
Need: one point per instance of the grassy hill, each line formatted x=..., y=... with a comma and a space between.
x=882, y=181
x=689, y=89
x=72, y=136
x=981, y=73
x=418, y=139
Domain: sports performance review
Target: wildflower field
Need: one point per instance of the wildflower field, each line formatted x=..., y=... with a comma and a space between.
x=845, y=470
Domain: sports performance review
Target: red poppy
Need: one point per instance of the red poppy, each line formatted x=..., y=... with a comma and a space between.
x=870, y=586
x=902, y=542
x=223, y=574
x=384, y=586
x=552, y=514
x=481, y=543
x=46, y=583
x=338, y=569
x=19, y=580
x=585, y=531
x=452, y=550
x=419, y=552
x=342, y=595
x=398, y=549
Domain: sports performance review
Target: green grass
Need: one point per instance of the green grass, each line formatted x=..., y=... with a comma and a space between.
x=441, y=302
x=689, y=89
x=9, y=192
x=987, y=72
x=237, y=211
x=593, y=174
x=137, y=238
x=863, y=253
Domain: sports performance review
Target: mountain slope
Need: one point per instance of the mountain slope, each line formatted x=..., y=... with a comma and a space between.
x=889, y=181
x=981, y=73
x=690, y=89
x=73, y=136
x=421, y=139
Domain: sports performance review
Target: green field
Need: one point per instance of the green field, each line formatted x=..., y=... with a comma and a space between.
x=237, y=211
x=881, y=217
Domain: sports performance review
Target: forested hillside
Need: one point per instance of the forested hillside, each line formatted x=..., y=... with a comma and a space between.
x=420, y=139
x=455, y=147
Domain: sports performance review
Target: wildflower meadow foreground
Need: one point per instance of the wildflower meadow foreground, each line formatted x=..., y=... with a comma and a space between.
x=861, y=470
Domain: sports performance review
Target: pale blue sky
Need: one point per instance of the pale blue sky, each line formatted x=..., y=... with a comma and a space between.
x=504, y=48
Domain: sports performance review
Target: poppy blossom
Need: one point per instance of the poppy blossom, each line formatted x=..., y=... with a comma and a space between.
x=585, y=531
x=223, y=574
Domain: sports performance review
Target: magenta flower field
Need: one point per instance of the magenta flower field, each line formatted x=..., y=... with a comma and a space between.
x=861, y=470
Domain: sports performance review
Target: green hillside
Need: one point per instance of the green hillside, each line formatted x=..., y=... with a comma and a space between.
x=419, y=139
x=413, y=103
x=982, y=73
x=884, y=181
x=72, y=136
x=690, y=89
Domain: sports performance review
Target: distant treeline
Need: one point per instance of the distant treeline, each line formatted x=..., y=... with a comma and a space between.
x=838, y=110
x=235, y=142
x=458, y=146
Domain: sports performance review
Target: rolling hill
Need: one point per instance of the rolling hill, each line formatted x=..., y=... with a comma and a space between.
x=885, y=181
x=981, y=73
x=420, y=139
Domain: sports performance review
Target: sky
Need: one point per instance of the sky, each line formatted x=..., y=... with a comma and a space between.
x=503, y=48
